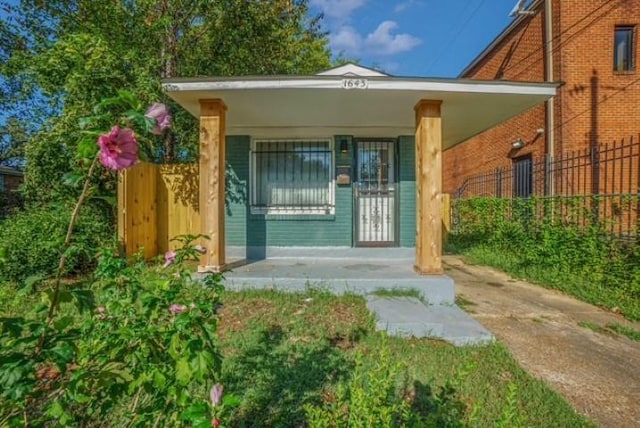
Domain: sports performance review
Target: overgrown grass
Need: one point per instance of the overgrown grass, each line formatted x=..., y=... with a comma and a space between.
x=520, y=238
x=629, y=332
x=282, y=351
x=613, y=329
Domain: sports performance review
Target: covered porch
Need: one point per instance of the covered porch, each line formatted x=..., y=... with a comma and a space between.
x=337, y=113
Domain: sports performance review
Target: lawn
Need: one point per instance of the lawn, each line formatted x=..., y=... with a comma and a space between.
x=284, y=350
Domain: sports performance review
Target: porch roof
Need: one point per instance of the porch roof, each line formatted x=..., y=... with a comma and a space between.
x=357, y=103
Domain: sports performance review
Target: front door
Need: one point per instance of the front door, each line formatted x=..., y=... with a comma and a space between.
x=375, y=193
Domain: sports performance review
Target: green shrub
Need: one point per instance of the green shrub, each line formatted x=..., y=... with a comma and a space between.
x=31, y=240
x=10, y=201
x=555, y=242
x=377, y=395
x=134, y=343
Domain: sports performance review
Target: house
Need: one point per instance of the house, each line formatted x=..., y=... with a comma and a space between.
x=10, y=178
x=328, y=160
x=590, y=46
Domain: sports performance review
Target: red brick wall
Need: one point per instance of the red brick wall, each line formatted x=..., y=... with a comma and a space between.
x=598, y=104
x=517, y=57
x=595, y=104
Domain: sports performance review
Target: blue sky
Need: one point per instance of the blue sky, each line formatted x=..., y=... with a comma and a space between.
x=435, y=38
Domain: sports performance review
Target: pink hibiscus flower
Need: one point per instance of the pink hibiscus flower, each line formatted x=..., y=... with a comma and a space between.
x=160, y=114
x=118, y=148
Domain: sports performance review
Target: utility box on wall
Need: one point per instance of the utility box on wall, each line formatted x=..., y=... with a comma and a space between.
x=343, y=175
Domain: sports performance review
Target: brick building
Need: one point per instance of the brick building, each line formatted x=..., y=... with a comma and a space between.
x=590, y=47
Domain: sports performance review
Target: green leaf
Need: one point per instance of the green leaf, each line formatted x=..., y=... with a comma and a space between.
x=87, y=148
x=64, y=296
x=231, y=400
x=32, y=281
x=12, y=326
x=12, y=373
x=110, y=200
x=62, y=323
x=130, y=99
x=117, y=371
x=196, y=410
x=72, y=179
x=55, y=410
x=201, y=365
x=84, y=299
x=159, y=379
x=63, y=354
x=183, y=371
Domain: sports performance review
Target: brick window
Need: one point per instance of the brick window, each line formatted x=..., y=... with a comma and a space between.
x=292, y=177
x=623, y=49
x=523, y=176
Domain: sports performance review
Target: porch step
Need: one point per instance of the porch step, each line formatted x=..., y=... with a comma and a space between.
x=348, y=275
x=408, y=316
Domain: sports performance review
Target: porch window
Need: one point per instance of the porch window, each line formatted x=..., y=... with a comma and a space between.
x=623, y=49
x=292, y=177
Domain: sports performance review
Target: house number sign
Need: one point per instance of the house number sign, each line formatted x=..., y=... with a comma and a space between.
x=352, y=83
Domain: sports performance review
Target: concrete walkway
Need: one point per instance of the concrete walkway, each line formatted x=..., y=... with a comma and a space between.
x=366, y=272
x=599, y=374
x=409, y=317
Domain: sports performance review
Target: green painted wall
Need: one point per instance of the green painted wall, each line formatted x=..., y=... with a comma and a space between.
x=254, y=230
x=407, y=191
x=237, y=195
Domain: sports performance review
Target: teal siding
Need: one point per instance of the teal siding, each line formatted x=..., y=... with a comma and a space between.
x=407, y=191
x=237, y=189
x=253, y=230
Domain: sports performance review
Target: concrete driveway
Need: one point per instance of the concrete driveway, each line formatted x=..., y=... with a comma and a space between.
x=598, y=373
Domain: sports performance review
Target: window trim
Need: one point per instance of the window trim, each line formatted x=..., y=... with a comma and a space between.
x=631, y=51
x=291, y=210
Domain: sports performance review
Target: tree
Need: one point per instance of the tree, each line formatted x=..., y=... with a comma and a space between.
x=60, y=57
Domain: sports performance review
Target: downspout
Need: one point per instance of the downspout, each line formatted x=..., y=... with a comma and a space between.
x=550, y=123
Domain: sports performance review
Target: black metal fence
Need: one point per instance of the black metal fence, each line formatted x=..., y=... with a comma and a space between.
x=598, y=185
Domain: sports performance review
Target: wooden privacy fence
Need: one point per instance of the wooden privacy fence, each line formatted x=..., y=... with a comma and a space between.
x=155, y=204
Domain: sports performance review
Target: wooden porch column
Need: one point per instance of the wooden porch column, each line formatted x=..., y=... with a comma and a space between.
x=212, y=191
x=428, y=187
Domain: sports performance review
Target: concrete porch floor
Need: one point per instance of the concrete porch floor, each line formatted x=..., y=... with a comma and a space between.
x=362, y=271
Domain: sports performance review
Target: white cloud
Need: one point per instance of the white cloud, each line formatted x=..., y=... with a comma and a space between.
x=337, y=9
x=401, y=7
x=346, y=39
x=383, y=42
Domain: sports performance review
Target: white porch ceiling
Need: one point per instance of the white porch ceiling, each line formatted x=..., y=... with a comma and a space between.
x=316, y=106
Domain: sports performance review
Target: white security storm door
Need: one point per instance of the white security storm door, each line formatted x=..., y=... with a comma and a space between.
x=375, y=193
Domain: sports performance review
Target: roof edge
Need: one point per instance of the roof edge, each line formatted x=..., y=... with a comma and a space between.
x=8, y=170
x=278, y=78
x=500, y=37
